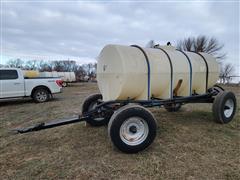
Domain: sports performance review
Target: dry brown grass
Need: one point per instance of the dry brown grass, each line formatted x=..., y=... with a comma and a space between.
x=189, y=144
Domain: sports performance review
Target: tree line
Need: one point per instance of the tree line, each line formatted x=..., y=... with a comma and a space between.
x=80, y=71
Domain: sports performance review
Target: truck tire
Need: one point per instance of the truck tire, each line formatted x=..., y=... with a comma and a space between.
x=89, y=104
x=132, y=128
x=224, y=107
x=173, y=107
x=41, y=95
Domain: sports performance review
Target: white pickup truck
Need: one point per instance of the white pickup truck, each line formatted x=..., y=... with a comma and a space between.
x=14, y=85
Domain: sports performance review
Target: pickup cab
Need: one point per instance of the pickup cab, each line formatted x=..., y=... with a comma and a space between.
x=13, y=84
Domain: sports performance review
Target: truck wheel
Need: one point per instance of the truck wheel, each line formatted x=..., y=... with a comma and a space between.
x=89, y=104
x=41, y=95
x=224, y=107
x=173, y=107
x=132, y=128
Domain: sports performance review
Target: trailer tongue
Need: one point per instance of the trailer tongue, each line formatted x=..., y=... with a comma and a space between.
x=51, y=124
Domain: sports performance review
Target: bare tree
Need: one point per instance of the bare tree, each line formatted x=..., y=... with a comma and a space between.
x=58, y=66
x=64, y=65
x=202, y=44
x=45, y=66
x=15, y=63
x=69, y=65
x=90, y=68
x=225, y=73
x=80, y=73
x=32, y=65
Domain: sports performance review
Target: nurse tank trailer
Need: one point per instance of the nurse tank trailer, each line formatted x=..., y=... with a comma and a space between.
x=132, y=79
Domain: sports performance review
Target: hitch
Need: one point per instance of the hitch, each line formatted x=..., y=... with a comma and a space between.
x=51, y=124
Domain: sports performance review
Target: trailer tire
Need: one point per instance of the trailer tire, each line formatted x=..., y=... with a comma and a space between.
x=89, y=103
x=173, y=107
x=41, y=95
x=224, y=107
x=132, y=128
x=64, y=84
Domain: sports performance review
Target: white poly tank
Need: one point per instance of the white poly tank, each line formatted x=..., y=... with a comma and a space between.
x=45, y=74
x=72, y=76
x=55, y=74
x=67, y=76
x=127, y=72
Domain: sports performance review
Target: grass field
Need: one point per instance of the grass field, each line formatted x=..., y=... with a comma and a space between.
x=189, y=144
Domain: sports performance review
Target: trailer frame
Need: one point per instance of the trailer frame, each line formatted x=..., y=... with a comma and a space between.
x=113, y=105
x=131, y=126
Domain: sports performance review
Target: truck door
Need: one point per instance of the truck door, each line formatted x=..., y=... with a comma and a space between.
x=11, y=83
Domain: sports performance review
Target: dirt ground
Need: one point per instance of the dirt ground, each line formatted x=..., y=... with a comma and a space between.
x=189, y=144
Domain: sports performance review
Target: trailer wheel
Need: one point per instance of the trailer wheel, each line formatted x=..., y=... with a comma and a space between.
x=64, y=84
x=173, y=107
x=132, y=128
x=41, y=95
x=224, y=107
x=89, y=104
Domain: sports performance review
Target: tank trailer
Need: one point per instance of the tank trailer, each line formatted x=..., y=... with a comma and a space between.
x=132, y=79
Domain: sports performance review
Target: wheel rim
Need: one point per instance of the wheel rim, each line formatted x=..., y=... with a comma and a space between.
x=228, y=108
x=41, y=96
x=92, y=107
x=134, y=131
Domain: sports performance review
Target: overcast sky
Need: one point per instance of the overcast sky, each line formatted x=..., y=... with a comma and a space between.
x=79, y=30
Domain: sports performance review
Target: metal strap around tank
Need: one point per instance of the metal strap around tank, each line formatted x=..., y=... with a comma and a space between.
x=171, y=67
x=148, y=69
x=205, y=61
x=190, y=72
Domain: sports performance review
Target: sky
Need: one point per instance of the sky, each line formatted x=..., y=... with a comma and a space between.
x=78, y=30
